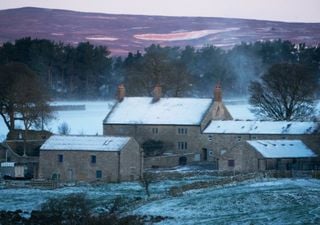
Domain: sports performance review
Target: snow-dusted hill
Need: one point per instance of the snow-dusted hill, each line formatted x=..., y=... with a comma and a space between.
x=124, y=33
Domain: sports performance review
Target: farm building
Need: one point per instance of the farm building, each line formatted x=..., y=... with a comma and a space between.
x=168, y=129
x=90, y=158
x=237, y=145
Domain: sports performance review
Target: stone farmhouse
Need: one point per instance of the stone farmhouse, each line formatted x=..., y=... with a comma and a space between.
x=90, y=158
x=172, y=125
x=263, y=145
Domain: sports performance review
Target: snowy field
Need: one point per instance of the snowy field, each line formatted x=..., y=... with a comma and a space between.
x=270, y=202
x=282, y=201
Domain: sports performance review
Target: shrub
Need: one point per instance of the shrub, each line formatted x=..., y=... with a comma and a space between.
x=153, y=148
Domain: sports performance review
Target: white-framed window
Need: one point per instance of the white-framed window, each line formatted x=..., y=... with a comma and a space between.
x=210, y=137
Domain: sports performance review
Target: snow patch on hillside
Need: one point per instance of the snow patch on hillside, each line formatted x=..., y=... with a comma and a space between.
x=102, y=38
x=178, y=36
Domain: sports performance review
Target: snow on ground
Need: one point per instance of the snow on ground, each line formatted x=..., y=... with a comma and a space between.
x=274, y=201
x=178, y=36
x=102, y=38
x=88, y=121
x=28, y=199
x=271, y=202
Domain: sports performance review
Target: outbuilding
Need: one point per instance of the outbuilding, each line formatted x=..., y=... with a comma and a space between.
x=90, y=158
x=237, y=145
x=283, y=155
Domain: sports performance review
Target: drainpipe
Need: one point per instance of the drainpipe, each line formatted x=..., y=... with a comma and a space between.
x=119, y=160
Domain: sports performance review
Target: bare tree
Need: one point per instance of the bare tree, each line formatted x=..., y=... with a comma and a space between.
x=145, y=182
x=64, y=129
x=23, y=97
x=286, y=92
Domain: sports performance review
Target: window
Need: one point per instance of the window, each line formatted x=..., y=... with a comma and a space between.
x=93, y=159
x=155, y=130
x=182, y=130
x=231, y=163
x=210, y=137
x=239, y=138
x=98, y=174
x=182, y=145
x=60, y=158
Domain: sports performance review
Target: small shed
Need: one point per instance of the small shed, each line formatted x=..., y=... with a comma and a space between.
x=283, y=154
x=12, y=170
x=90, y=158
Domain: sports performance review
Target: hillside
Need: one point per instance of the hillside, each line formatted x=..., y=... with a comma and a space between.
x=123, y=33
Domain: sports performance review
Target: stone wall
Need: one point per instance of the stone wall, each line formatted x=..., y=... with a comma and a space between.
x=131, y=162
x=170, y=160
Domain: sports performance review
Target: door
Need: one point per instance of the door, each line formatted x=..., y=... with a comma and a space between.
x=70, y=174
x=205, y=154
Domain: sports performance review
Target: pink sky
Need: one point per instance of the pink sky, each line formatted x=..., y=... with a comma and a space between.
x=279, y=10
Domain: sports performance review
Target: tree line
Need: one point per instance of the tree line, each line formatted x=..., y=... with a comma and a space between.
x=86, y=71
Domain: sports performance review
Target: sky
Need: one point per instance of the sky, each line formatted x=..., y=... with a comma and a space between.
x=276, y=10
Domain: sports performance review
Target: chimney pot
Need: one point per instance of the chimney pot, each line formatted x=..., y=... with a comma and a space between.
x=157, y=93
x=121, y=93
x=218, y=93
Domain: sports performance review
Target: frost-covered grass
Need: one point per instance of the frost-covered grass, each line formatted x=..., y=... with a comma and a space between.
x=269, y=202
x=28, y=199
x=274, y=201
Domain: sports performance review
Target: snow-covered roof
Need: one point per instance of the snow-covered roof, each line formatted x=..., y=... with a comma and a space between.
x=262, y=127
x=141, y=110
x=282, y=148
x=85, y=143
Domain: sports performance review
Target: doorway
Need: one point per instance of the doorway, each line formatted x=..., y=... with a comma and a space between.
x=205, y=154
x=183, y=161
x=70, y=174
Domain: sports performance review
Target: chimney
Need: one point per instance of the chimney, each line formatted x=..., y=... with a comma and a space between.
x=121, y=93
x=218, y=93
x=157, y=92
